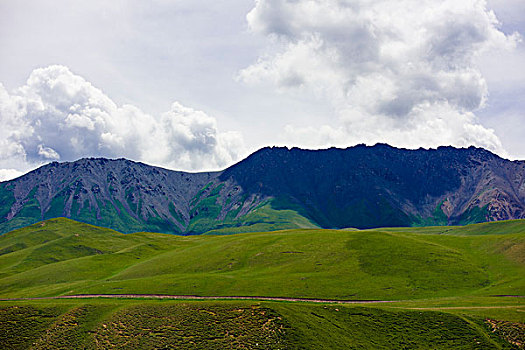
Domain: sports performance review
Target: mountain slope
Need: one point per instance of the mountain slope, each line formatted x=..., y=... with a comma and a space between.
x=130, y=197
x=275, y=188
x=368, y=187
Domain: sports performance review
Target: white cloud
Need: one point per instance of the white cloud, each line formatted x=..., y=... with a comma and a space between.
x=8, y=174
x=58, y=115
x=402, y=72
x=48, y=153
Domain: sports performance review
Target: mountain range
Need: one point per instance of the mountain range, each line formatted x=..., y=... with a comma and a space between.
x=275, y=188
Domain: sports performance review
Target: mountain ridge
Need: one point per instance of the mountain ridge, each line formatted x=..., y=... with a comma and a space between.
x=275, y=187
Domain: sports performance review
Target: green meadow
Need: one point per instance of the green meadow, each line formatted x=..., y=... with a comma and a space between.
x=148, y=324
x=448, y=287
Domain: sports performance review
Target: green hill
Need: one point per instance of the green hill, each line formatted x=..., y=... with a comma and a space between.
x=241, y=325
x=444, y=279
x=60, y=256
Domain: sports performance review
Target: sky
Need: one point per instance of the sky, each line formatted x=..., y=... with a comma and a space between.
x=198, y=85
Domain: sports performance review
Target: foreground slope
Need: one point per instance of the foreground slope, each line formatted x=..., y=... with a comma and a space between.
x=146, y=324
x=275, y=188
x=60, y=256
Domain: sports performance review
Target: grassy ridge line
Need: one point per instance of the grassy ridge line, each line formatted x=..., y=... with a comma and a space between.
x=486, y=228
x=66, y=257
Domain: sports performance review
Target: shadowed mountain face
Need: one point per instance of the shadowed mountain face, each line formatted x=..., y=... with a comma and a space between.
x=275, y=188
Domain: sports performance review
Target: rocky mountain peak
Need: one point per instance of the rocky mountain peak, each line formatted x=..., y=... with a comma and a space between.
x=361, y=186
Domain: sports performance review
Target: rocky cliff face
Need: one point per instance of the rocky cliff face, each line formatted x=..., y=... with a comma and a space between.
x=360, y=187
x=385, y=186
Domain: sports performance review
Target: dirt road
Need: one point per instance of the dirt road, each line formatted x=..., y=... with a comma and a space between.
x=196, y=297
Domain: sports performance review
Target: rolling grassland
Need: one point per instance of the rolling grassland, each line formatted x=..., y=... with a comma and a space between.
x=447, y=287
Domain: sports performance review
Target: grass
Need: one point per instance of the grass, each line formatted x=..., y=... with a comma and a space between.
x=21, y=325
x=130, y=325
x=486, y=228
x=377, y=328
x=146, y=324
x=262, y=219
x=66, y=257
x=443, y=280
x=189, y=326
x=512, y=332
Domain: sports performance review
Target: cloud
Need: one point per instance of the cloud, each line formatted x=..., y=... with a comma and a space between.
x=48, y=153
x=58, y=115
x=401, y=72
x=8, y=174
